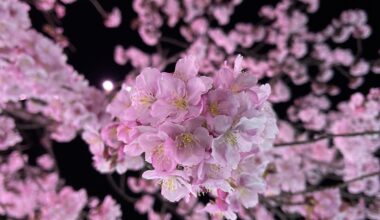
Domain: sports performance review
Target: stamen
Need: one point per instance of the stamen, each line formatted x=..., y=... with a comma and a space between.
x=231, y=138
x=186, y=139
x=180, y=103
x=169, y=184
x=159, y=150
x=147, y=100
x=214, y=109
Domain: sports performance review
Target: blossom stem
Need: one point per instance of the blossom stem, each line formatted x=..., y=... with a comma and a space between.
x=327, y=136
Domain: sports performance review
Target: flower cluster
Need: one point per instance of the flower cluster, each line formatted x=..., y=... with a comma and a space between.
x=39, y=90
x=290, y=48
x=30, y=64
x=150, y=20
x=348, y=156
x=359, y=152
x=200, y=134
x=36, y=192
x=8, y=136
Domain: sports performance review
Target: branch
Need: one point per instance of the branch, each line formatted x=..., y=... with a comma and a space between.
x=359, y=49
x=174, y=42
x=119, y=191
x=317, y=189
x=99, y=8
x=26, y=116
x=343, y=72
x=327, y=136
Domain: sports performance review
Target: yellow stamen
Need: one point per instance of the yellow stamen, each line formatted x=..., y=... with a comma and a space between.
x=169, y=184
x=231, y=138
x=214, y=109
x=160, y=149
x=215, y=168
x=180, y=103
x=232, y=183
x=147, y=100
x=186, y=139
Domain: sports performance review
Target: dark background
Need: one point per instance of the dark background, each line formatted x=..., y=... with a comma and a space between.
x=93, y=57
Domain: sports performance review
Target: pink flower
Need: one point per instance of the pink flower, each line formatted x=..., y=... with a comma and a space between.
x=95, y=141
x=60, y=10
x=211, y=175
x=248, y=186
x=144, y=95
x=45, y=5
x=221, y=102
x=190, y=141
x=222, y=40
x=8, y=135
x=235, y=80
x=178, y=100
x=67, y=204
x=237, y=138
x=120, y=55
x=120, y=103
x=186, y=68
x=137, y=185
x=216, y=210
x=107, y=210
x=113, y=19
x=46, y=162
x=109, y=135
x=174, y=184
x=158, y=150
x=152, y=215
x=360, y=68
x=144, y=204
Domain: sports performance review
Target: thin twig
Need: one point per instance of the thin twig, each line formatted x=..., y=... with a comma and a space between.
x=122, y=181
x=326, y=136
x=99, y=8
x=119, y=191
x=322, y=188
x=343, y=72
x=174, y=42
x=359, y=49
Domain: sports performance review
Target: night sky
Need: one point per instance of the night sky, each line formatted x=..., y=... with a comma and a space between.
x=93, y=57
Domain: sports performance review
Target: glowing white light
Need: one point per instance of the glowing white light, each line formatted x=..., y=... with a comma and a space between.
x=108, y=85
x=128, y=88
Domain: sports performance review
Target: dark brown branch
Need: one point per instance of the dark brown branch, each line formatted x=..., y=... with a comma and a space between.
x=99, y=8
x=119, y=191
x=174, y=42
x=343, y=72
x=359, y=49
x=326, y=136
x=26, y=116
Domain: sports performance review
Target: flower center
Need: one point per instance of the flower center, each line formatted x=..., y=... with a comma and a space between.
x=186, y=139
x=169, y=184
x=147, y=100
x=231, y=138
x=214, y=109
x=180, y=103
x=159, y=150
